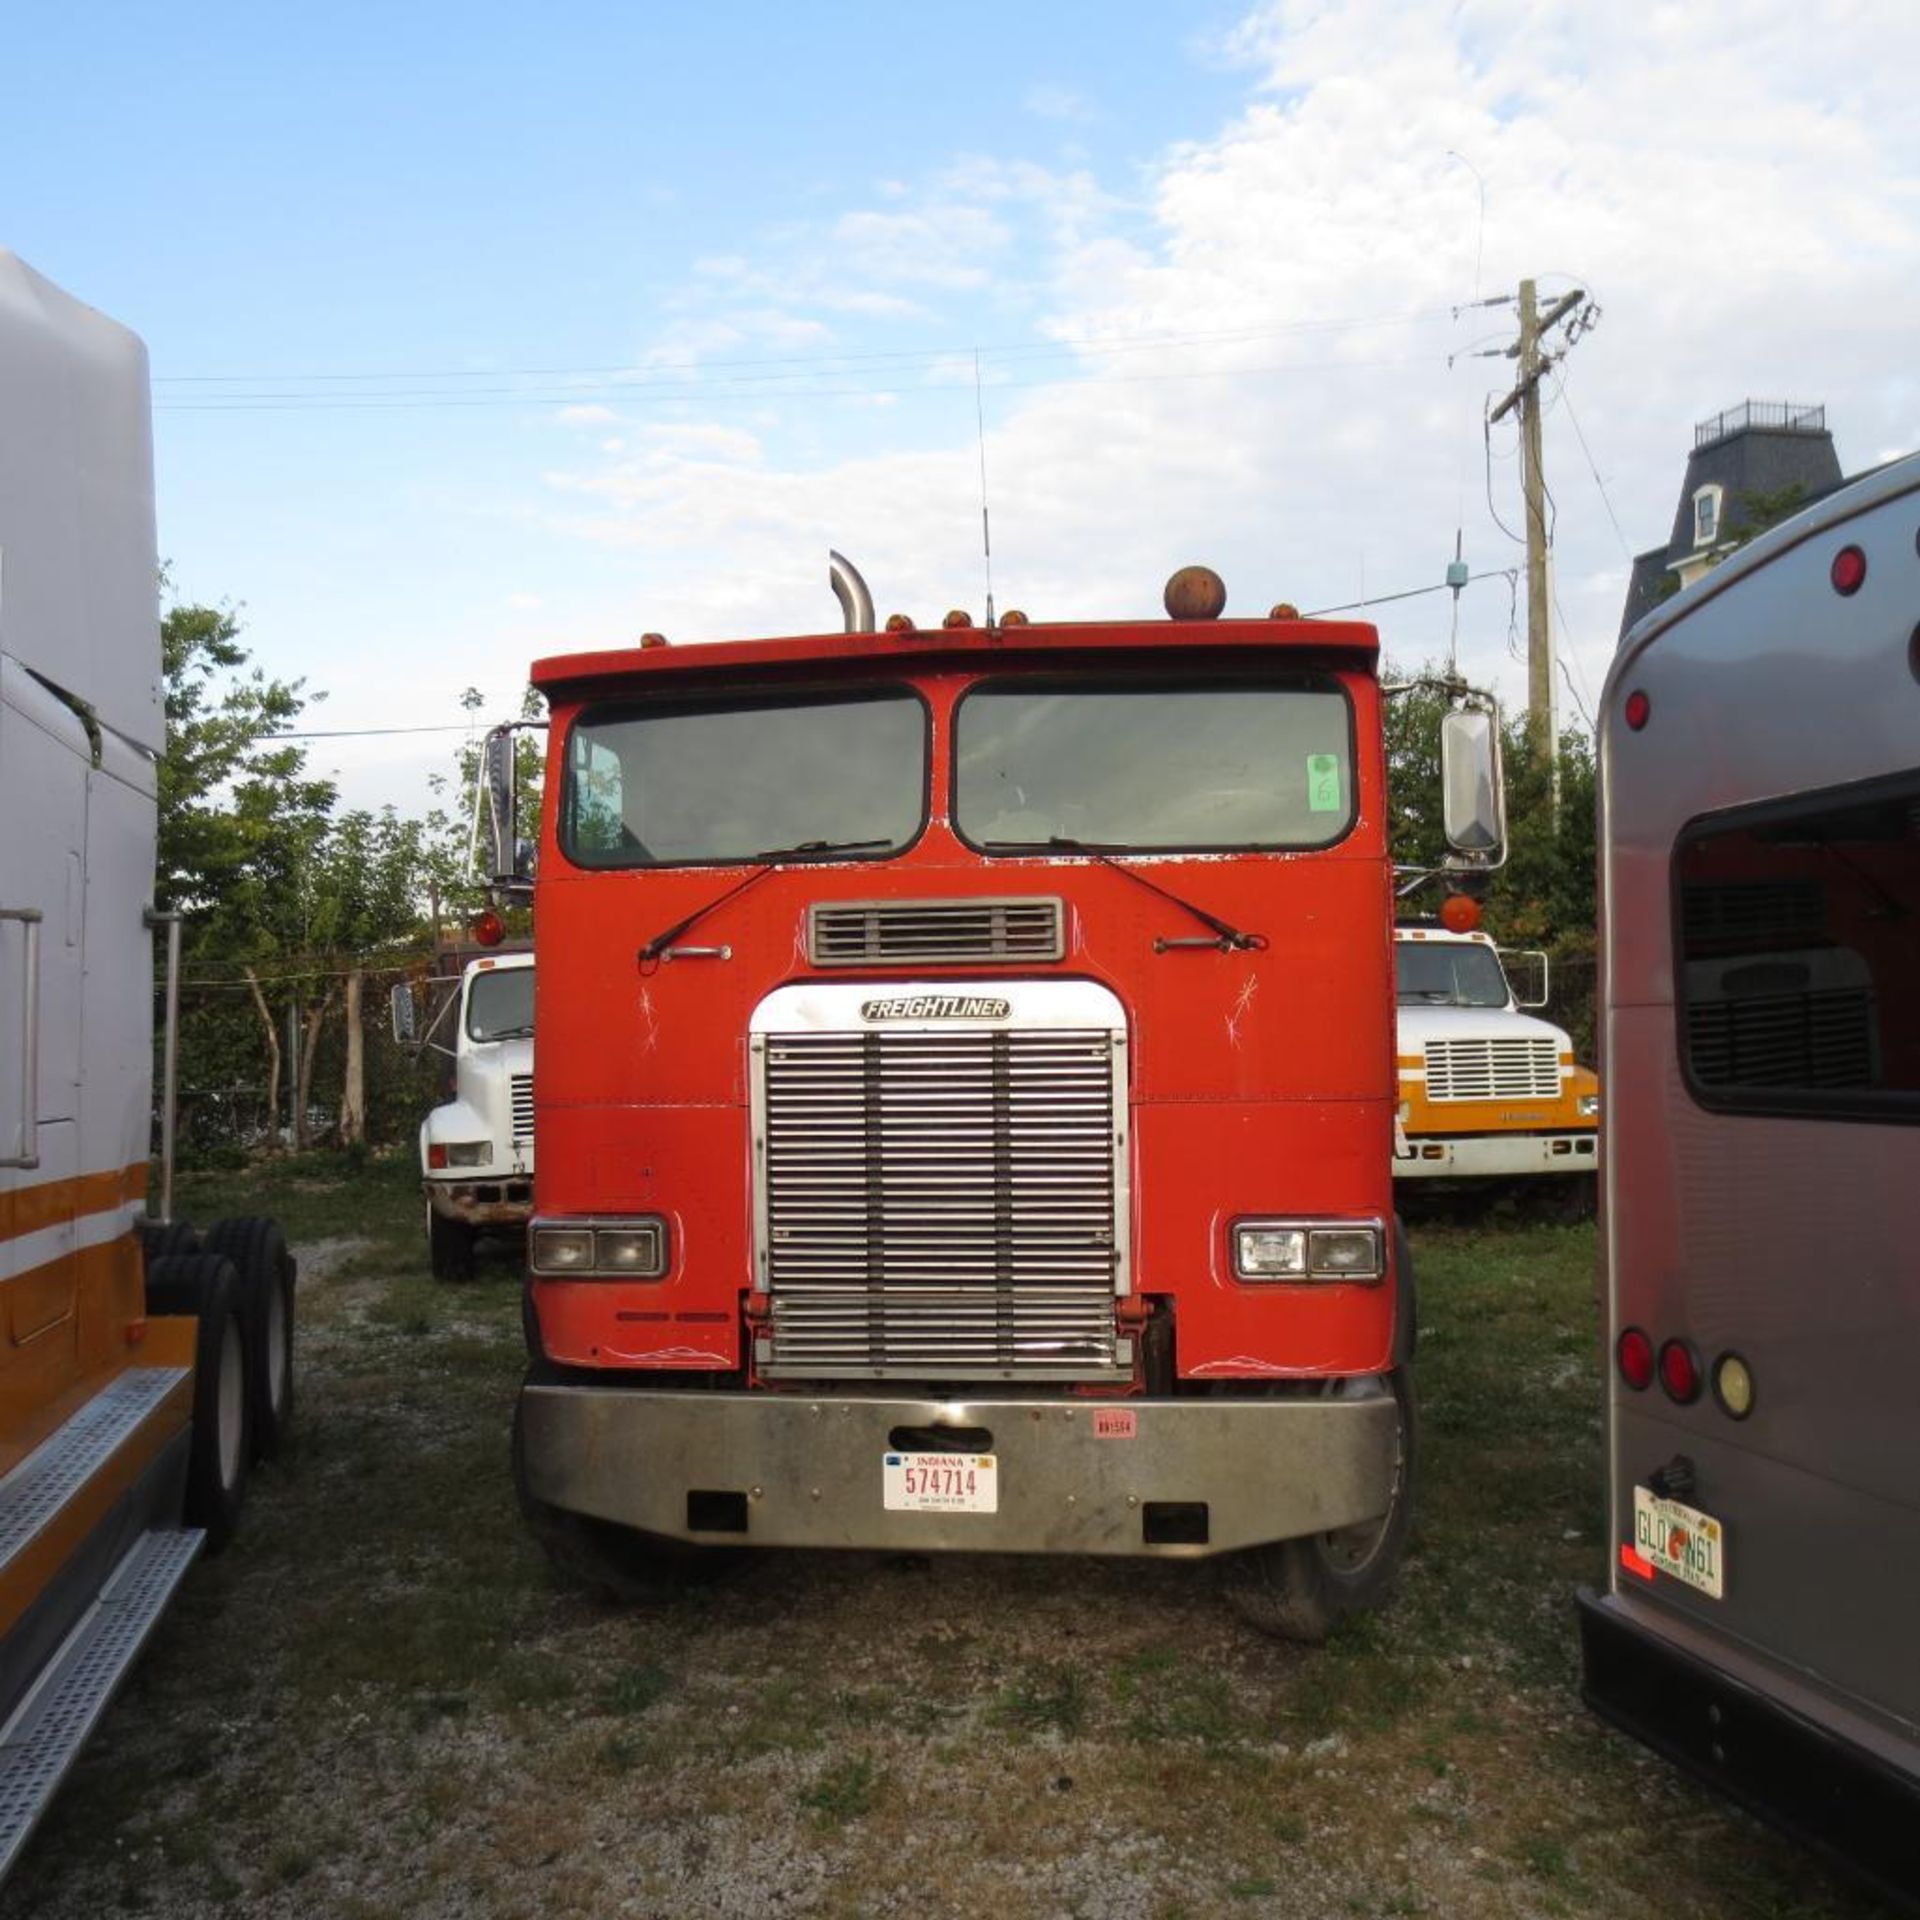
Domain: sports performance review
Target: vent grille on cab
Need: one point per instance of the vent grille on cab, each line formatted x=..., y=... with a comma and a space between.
x=887, y=933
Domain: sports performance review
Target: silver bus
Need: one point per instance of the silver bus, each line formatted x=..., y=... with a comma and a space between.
x=1760, y=1188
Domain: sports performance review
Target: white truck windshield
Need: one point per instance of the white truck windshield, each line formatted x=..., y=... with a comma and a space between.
x=500, y=1005
x=1440, y=973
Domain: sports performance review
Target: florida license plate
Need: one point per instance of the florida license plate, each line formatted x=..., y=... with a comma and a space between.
x=940, y=1483
x=1680, y=1541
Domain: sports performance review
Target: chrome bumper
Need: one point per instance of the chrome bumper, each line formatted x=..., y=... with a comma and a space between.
x=1495, y=1156
x=792, y=1470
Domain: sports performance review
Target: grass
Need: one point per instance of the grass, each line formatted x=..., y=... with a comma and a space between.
x=381, y=1700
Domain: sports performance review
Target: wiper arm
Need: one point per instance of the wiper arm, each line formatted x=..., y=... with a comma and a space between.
x=769, y=863
x=1231, y=940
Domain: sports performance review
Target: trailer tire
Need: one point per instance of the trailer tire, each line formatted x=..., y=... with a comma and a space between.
x=449, y=1246
x=165, y=1239
x=1301, y=1589
x=258, y=1250
x=618, y=1563
x=206, y=1286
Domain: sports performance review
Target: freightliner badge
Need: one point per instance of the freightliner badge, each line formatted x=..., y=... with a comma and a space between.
x=936, y=1006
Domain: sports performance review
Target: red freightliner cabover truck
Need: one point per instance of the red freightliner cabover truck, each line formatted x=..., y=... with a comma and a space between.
x=965, y=1092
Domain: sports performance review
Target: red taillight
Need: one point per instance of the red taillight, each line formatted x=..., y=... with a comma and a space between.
x=1849, y=573
x=1680, y=1371
x=1634, y=1352
x=436, y=1157
x=489, y=929
x=1639, y=709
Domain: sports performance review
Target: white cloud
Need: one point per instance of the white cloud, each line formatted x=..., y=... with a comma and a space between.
x=1047, y=101
x=1264, y=327
x=585, y=416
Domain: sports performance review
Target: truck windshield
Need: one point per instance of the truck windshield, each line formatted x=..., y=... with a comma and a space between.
x=685, y=784
x=500, y=1005
x=1154, y=767
x=1439, y=973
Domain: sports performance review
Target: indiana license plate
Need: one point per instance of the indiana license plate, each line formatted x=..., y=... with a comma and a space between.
x=940, y=1483
x=1680, y=1541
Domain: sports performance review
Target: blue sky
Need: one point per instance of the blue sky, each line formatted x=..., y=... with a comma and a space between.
x=385, y=258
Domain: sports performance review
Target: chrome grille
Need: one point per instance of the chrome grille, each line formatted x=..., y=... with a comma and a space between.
x=941, y=1203
x=522, y=1091
x=882, y=933
x=1493, y=1070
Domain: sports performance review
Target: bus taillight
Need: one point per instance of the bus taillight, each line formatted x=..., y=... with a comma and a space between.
x=1680, y=1371
x=1634, y=1352
x=1849, y=571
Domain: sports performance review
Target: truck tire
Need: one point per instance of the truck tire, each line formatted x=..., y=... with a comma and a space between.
x=449, y=1246
x=206, y=1286
x=258, y=1250
x=618, y=1563
x=163, y=1239
x=1300, y=1589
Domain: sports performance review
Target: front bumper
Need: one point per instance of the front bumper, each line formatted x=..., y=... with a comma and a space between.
x=1076, y=1476
x=488, y=1202
x=1495, y=1156
x=1859, y=1807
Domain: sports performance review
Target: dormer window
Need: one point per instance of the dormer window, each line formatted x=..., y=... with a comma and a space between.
x=1706, y=516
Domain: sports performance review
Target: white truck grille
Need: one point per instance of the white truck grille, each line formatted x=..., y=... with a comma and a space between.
x=942, y=1202
x=1493, y=1069
x=522, y=1091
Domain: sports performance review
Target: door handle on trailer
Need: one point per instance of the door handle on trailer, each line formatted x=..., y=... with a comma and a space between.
x=29, y=1153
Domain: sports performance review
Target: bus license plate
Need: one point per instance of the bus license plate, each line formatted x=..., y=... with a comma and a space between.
x=941, y=1483
x=1680, y=1541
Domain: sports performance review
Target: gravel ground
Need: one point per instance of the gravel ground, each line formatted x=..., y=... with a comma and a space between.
x=380, y=1701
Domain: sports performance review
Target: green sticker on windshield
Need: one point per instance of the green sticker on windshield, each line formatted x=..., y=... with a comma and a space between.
x=1323, y=783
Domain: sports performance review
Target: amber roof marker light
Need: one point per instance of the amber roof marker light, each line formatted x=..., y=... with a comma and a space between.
x=1195, y=593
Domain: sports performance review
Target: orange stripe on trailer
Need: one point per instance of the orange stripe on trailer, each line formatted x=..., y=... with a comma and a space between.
x=25, y=1210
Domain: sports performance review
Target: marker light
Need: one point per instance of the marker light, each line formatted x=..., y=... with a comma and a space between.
x=489, y=929
x=1196, y=593
x=1634, y=1353
x=1013, y=617
x=1733, y=1385
x=650, y=640
x=1458, y=914
x=1849, y=571
x=899, y=623
x=1286, y=610
x=1639, y=709
x=436, y=1157
x=959, y=617
x=1680, y=1372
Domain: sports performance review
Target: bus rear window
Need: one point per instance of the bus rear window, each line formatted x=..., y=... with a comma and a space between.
x=1798, y=963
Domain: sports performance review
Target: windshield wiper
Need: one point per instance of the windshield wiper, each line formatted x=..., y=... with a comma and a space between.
x=1231, y=939
x=769, y=860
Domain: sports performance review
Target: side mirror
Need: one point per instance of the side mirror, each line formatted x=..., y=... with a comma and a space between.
x=1472, y=803
x=406, y=1023
x=1527, y=971
x=509, y=858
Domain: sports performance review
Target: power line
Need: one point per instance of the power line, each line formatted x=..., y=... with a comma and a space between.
x=1411, y=593
x=693, y=364
x=1573, y=420
x=368, y=733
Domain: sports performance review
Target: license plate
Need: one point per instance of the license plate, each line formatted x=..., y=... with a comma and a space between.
x=940, y=1483
x=1680, y=1541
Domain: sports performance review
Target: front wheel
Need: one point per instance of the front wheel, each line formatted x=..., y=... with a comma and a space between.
x=1300, y=1589
x=449, y=1246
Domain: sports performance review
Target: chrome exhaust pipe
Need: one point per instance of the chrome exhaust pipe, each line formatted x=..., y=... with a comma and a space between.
x=856, y=603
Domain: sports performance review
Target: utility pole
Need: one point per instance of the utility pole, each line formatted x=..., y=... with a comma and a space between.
x=1533, y=363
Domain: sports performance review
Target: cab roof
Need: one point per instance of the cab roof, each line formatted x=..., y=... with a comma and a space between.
x=1350, y=643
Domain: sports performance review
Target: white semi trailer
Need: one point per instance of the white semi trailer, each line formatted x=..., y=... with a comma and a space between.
x=141, y=1366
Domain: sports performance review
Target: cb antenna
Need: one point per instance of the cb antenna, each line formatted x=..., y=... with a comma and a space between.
x=986, y=525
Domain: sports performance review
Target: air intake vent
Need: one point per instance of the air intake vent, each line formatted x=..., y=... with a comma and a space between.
x=887, y=933
x=1493, y=1070
x=522, y=1091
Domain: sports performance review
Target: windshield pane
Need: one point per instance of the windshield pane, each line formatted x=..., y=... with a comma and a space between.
x=1437, y=973
x=500, y=1005
x=1154, y=766
x=688, y=785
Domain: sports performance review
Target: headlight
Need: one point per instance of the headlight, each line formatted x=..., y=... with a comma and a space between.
x=1589, y=1106
x=561, y=1249
x=469, y=1153
x=1307, y=1250
x=631, y=1249
x=1270, y=1253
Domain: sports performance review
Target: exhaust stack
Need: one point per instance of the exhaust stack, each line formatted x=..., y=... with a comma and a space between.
x=856, y=603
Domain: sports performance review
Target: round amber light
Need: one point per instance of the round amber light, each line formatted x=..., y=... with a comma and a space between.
x=1733, y=1385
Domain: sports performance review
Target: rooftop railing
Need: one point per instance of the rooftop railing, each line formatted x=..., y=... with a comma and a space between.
x=1776, y=416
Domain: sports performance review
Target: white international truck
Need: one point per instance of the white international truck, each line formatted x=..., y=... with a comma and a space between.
x=476, y=1150
x=1487, y=1092
x=142, y=1366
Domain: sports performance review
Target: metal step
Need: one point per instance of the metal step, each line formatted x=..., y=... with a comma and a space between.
x=32, y=1495
x=51, y=1725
